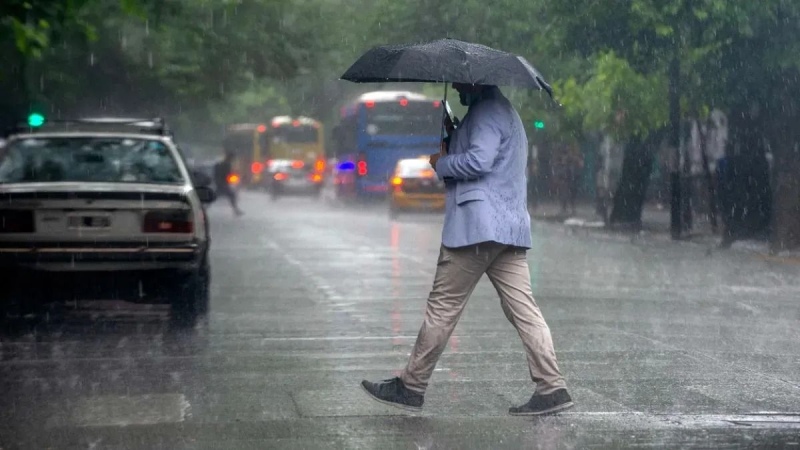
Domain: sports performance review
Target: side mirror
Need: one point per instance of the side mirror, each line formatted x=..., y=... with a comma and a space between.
x=206, y=194
x=200, y=179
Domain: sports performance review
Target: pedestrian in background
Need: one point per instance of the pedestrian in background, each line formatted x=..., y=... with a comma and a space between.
x=487, y=230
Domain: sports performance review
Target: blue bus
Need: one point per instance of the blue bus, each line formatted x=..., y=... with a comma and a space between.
x=377, y=130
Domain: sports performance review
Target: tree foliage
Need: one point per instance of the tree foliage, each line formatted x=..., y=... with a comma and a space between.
x=214, y=59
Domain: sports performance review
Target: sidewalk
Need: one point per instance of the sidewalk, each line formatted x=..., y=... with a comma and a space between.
x=655, y=227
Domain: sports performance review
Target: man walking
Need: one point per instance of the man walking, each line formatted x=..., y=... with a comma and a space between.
x=486, y=230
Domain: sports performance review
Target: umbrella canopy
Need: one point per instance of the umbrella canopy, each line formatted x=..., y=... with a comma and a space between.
x=445, y=61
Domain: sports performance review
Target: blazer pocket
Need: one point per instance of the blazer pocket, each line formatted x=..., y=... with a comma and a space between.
x=470, y=196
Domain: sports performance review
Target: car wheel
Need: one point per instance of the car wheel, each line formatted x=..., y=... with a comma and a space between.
x=7, y=306
x=191, y=296
x=21, y=296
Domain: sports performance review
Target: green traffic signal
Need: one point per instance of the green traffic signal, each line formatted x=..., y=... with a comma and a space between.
x=539, y=125
x=35, y=120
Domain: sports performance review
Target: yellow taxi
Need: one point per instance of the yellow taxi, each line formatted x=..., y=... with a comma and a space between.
x=415, y=186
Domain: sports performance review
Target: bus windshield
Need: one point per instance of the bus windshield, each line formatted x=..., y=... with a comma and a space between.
x=416, y=118
x=303, y=134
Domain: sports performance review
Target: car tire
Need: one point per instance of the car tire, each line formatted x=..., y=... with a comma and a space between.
x=20, y=296
x=7, y=308
x=190, y=294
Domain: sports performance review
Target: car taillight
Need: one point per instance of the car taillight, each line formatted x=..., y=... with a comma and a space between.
x=316, y=178
x=279, y=176
x=361, y=165
x=397, y=184
x=319, y=166
x=233, y=179
x=16, y=221
x=297, y=164
x=168, y=222
x=256, y=167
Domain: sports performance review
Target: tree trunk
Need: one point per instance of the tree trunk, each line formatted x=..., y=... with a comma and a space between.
x=632, y=188
x=786, y=228
x=786, y=151
x=746, y=191
x=676, y=224
x=709, y=177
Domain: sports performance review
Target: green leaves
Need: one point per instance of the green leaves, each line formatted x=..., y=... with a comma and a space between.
x=616, y=99
x=602, y=57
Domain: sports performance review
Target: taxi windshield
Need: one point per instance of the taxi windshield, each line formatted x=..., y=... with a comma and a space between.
x=101, y=160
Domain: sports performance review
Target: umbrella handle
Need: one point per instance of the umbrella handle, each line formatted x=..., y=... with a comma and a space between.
x=444, y=116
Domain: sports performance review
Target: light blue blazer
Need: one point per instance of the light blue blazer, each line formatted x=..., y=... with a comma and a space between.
x=485, y=176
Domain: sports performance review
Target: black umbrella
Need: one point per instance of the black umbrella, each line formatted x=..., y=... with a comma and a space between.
x=445, y=61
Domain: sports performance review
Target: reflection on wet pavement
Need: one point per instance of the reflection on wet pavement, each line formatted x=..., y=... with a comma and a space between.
x=662, y=345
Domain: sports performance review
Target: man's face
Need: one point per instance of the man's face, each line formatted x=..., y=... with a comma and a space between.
x=467, y=92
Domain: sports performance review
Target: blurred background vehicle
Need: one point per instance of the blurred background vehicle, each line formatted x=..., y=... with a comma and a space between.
x=248, y=142
x=285, y=138
x=377, y=130
x=293, y=177
x=415, y=187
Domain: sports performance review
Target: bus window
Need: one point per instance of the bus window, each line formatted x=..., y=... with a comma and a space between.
x=415, y=118
x=294, y=135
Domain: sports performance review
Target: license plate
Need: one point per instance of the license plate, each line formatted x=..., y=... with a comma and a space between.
x=89, y=221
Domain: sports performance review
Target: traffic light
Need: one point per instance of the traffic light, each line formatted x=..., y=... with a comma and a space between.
x=539, y=125
x=35, y=120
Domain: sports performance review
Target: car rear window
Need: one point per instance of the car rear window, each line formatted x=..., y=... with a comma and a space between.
x=116, y=160
x=414, y=168
x=288, y=166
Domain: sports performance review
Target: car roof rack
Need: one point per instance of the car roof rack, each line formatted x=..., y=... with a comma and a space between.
x=100, y=124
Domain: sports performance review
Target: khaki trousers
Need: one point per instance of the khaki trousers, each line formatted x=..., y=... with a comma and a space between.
x=458, y=272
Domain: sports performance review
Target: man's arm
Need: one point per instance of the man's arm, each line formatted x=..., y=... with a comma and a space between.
x=477, y=161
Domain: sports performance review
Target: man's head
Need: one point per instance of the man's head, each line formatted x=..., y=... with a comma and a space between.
x=469, y=93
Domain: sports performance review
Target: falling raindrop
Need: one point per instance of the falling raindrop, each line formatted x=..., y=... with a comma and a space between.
x=150, y=59
x=147, y=27
x=91, y=59
x=41, y=83
x=221, y=88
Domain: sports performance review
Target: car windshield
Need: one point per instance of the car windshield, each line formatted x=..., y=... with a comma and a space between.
x=71, y=159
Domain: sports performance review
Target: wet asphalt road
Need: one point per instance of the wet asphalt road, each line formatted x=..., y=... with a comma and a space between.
x=663, y=345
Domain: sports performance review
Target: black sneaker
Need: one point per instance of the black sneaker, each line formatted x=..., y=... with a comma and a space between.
x=393, y=392
x=544, y=404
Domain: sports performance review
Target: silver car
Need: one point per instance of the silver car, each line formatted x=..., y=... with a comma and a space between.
x=101, y=213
